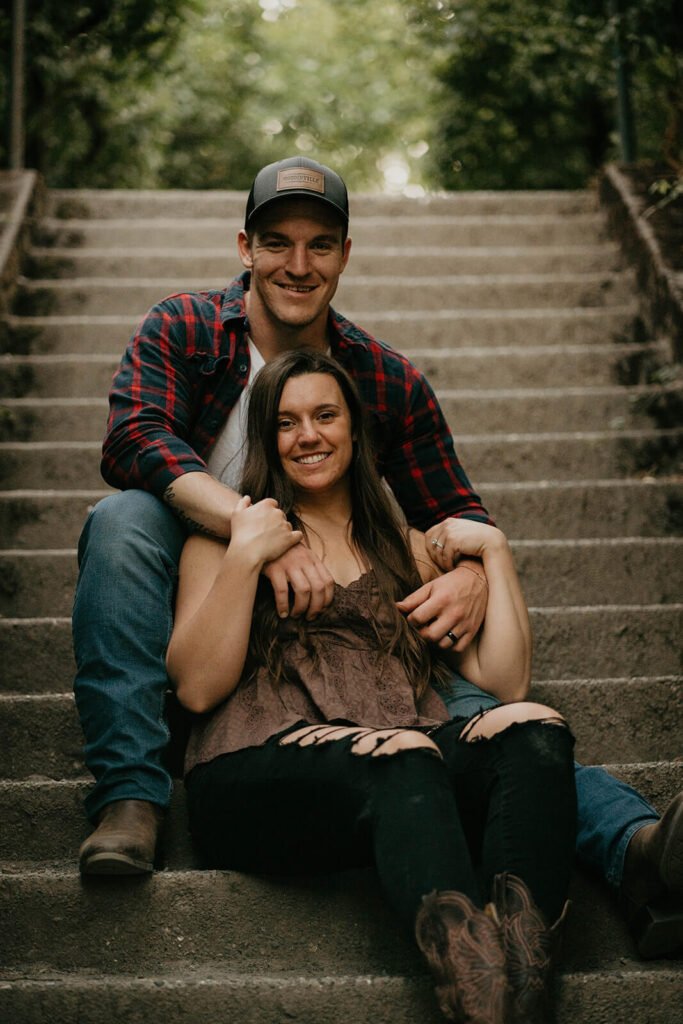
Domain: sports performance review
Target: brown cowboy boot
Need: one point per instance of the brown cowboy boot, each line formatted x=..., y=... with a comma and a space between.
x=124, y=841
x=531, y=950
x=462, y=945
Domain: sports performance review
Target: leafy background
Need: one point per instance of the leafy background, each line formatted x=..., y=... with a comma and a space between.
x=400, y=94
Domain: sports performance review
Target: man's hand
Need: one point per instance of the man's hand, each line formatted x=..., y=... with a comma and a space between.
x=454, y=603
x=302, y=570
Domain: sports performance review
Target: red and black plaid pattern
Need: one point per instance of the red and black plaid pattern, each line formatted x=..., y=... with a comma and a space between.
x=187, y=363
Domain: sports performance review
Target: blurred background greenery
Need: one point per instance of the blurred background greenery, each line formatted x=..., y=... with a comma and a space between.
x=402, y=95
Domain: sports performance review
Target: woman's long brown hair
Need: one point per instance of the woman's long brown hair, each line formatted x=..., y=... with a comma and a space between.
x=375, y=530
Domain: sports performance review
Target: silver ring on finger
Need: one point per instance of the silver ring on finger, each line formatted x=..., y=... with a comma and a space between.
x=437, y=544
x=452, y=637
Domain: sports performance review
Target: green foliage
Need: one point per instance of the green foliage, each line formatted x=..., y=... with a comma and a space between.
x=525, y=94
x=652, y=31
x=453, y=93
x=341, y=80
x=201, y=93
x=529, y=88
x=88, y=68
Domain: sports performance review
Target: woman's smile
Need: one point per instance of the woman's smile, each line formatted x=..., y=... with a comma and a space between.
x=309, y=460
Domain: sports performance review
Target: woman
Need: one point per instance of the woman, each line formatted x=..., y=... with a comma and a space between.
x=322, y=744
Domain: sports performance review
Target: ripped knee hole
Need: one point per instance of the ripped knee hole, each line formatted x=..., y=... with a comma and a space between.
x=375, y=742
x=471, y=735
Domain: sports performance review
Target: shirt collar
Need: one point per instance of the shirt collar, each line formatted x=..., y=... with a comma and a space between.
x=232, y=306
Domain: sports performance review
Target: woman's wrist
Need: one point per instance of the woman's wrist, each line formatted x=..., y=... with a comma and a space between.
x=244, y=558
x=470, y=566
x=497, y=553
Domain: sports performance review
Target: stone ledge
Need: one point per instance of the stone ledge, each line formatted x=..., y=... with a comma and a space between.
x=26, y=196
x=662, y=294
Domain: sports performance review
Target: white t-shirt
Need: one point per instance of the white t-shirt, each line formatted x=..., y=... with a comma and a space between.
x=226, y=458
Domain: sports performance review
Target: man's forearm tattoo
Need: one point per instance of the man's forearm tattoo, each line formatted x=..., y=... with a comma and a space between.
x=192, y=525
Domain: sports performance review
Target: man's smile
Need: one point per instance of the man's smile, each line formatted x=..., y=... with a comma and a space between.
x=299, y=288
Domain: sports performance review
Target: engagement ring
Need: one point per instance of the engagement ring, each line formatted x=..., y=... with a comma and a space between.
x=437, y=544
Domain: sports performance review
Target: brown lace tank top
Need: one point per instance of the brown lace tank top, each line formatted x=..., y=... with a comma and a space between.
x=340, y=675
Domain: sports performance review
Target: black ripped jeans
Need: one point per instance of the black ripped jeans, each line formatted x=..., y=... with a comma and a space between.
x=426, y=822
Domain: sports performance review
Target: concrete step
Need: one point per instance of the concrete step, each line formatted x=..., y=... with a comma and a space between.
x=602, y=508
x=53, y=419
x=638, y=992
x=42, y=734
x=487, y=370
x=632, y=570
x=45, y=822
x=582, y=456
x=50, y=725
x=518, y=409
x=99, y=296
x=191, y=944
x=604, y=641
x=592, y=455
x=447, y=327
x=617, y=571
x=418, y=261
x=221, y=203
x=530, y=511
x=500, y=368
x=523, y=410
x=334, y=922
x=394, y=230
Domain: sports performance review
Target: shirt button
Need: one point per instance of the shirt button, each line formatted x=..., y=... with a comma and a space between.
x=243, y=367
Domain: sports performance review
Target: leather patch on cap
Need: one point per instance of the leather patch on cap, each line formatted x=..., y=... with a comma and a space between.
x=301, y=177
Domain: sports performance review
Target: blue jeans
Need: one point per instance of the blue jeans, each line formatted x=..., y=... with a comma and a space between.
x=122, y=620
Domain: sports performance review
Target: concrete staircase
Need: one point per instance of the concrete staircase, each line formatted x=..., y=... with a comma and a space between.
x=521, y=312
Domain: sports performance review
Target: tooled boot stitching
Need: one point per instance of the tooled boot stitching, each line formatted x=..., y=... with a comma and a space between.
x=531, y=949
x=463, y=948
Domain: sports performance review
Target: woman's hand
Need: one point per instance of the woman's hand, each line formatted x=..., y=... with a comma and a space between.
x=262, y=530
x=454, y=538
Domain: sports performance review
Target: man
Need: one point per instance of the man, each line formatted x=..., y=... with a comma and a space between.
x=173, y=445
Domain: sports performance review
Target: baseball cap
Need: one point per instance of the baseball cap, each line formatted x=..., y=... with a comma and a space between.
x=297, y=176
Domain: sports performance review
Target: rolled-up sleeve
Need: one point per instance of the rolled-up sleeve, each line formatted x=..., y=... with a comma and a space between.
x=150, y=406
x=421, y=464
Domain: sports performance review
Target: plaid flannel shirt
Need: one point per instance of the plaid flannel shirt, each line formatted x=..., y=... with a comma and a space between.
x=187, y=363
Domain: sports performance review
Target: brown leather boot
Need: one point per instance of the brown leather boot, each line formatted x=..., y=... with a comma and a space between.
x=652, y=884
x=124, y=841
x=531, y=950
x=462, y=946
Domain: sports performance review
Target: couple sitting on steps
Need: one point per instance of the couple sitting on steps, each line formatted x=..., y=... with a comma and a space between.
x=359, y=684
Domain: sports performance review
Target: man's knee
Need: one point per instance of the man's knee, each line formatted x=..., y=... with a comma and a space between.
x=118, y=519
x=118, y=511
